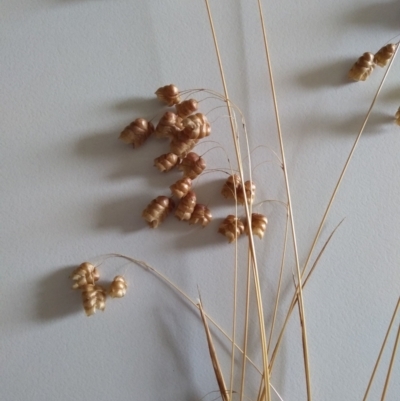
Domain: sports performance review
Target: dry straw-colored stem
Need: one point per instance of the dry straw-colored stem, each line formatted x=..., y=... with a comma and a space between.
x=251, y=239
x=381, y=350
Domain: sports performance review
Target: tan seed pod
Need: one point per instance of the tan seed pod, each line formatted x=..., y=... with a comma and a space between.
x=232, y=186
x=166, y=162
x=181, y=187
x=397, y=117
x=157, y=210
x=250, y=189
x=93, y=298
x=258, y=225
x=363, y=67
x=182, y=146
x=192, y=165
x=84, y=274
x=201, y=215
x=168, y=94
x=118, y=287
x=186, y=108
x=168, y=126
x=232, y=228
x=196, y=126
x=384, y=54
x=137, y=132
x=186, y=206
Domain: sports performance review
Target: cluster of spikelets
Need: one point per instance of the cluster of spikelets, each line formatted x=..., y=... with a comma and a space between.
x=185, y=127
x=94, y=295
x=364, y=66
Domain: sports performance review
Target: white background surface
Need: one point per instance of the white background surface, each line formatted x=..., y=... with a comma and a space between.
x=73, y=74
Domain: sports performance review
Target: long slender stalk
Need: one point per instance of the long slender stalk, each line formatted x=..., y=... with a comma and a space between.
x=300, y=294
x=251, y=239
x=381, y=350
x=385, y=387
x=334, y=194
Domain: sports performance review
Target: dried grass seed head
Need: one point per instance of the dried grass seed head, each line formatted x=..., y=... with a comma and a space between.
x=192, y=165
x=250, y=189
x=118, y=287
x=137, y=132
x=258, y=225
x=181, y=187
x=166, y=162
x=201, y=215
x=182, y=145
x=196, y=126
x=186, y=108
x=186, y=206
x=231, y=187
x=157, y=210
x=383, y=56
x=168, y=94
x=168, y=126
x=363, y=67
x=93, y=298
x=397, y=117
x=84, y=274
x=232, y=227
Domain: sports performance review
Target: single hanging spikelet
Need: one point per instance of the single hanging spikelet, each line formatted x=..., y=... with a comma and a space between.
x=201, y=214
x=85, y=274
x=363, y=67
x=258, y=225
x=196, y=126
x=397, y=117
x=137, y=132
x=166, y=162
x=157, y=211
x=232, y=186
x=186, y=206
x=250, y=189
x=385, y=54
x=181, y=187
x=168, y=126
x=182, y=146
x=118, y=287
x=186, y=108
x=192, y=165
x=93, y=297
x=232, y=228
x=168, y=94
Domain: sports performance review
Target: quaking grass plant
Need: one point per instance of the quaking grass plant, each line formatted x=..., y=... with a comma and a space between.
x=255, y=339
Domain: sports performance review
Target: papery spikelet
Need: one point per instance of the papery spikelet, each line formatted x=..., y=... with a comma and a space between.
x=181, y=187
x=168, y=126
x=182, y=146
x=192, y=165
x=93, y=298
x=231, y=187
x=166, y=162
x=186, y=206
x=385, y=54
x=137, y=132
x=85, y=274
x=250, y=189
x=157, y=210
x=258, y=224
x=186, y=108
x=231, y=227
x=201, y=215
x=118, y=287
x=397, y=117
x=168, y=94
x=363, y=67
x=196, y=126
